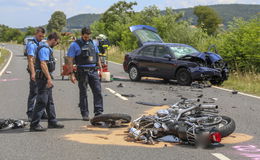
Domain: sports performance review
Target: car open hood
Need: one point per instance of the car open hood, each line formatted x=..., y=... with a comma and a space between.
x=146, y=34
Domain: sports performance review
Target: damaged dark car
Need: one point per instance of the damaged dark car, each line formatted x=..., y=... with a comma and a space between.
x=172, y=61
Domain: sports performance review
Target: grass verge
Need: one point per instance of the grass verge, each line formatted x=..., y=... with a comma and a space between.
x=4, y=54
x=244, y=82
x=116, y=55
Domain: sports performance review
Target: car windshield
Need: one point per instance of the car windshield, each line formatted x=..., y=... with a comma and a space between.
x=180, y=51
x=147, y=36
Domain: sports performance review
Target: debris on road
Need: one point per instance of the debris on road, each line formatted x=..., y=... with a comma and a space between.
x=120, y=85
x=169, y=138
x=12, y=124
x=200, y=84
x=200, y=96
x=118, y=78
x=128, y=95
x=8, y=72
x=149, y=104
x=234, y=92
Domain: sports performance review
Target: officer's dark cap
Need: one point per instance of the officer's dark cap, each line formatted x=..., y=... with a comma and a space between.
x=85, y=30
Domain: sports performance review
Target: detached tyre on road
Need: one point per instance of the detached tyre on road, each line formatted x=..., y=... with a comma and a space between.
x=112, y=119
x=183, y=77
x=134, y=74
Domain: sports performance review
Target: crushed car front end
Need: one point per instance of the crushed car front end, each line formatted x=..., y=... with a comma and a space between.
x=209, y=67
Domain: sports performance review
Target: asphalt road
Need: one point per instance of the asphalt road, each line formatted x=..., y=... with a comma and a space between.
x=53, y=144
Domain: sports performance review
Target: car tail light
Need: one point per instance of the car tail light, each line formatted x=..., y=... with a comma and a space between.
x=126, y=57
x=215, y=137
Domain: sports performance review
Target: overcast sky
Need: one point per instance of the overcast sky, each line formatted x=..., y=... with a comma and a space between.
x=23, y=13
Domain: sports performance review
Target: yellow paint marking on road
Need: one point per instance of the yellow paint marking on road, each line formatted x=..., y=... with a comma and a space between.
x=115, y=136
x=155, y=109
x=236, y=138
x=151, y=78
x=112, y=136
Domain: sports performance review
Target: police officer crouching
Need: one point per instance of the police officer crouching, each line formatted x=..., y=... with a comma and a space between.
x=44, y=66
x=85, y=54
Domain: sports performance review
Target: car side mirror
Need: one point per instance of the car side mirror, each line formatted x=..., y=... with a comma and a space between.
x=167, y=56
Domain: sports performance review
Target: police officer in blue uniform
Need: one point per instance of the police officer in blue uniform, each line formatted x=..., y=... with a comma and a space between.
x=85, y=54
x=44, y=66
x=31, y=48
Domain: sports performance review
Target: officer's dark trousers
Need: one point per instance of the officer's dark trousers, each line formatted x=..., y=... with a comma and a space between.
x=44, y=101
x=32, y=97
x=91, y=78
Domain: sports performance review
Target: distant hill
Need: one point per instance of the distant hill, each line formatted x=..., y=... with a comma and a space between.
x=226, y=11
x=82, y=20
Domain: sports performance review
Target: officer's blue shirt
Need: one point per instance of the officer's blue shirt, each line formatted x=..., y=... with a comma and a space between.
x=31, y=47
x=44, y=52
x=75, y=50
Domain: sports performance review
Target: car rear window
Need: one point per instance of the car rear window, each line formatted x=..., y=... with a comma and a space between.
x=148, y=36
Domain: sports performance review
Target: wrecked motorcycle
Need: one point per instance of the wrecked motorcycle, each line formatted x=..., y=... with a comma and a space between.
x=187, y=120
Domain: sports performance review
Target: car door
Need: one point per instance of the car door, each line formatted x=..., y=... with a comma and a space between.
x=145, y=60
x=164, y=65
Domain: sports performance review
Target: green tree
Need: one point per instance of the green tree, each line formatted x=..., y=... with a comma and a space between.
x=57, y=22
x=208, y=19
x=30, y=31
x=240, y=44
x=119, y=12
x=10, y=34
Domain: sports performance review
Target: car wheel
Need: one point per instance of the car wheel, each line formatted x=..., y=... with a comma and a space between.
x=134, y=73
x=183, y=77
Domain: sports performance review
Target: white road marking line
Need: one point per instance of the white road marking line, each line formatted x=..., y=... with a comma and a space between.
x=244, y=94
x=117, y=94
x=220, y=156
x=8, y=62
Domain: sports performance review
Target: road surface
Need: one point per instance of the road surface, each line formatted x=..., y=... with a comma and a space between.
x=79, y=140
